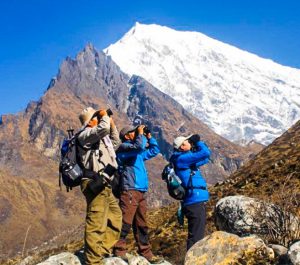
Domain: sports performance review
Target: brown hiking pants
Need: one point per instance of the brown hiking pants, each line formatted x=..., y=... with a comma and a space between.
x=134, y=208
x=103, y=224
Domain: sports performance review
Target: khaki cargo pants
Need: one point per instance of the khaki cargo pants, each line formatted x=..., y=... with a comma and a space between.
x=103, y=224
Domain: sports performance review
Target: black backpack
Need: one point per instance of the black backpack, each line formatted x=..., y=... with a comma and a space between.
x=70, y=167
x=175, y=189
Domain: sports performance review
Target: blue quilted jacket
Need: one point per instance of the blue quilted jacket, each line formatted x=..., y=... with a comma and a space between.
x=130, y=157
x=187, y=169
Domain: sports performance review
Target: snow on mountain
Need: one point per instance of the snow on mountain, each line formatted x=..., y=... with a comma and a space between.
x=239, y=95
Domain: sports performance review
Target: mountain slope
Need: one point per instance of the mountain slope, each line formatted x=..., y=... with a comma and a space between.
x=273, y=175
x=238, y=94
x=30, y=200
x=29, y=146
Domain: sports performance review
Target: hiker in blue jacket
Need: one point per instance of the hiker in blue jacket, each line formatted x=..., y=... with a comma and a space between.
x=189, y=154
x=137, y=146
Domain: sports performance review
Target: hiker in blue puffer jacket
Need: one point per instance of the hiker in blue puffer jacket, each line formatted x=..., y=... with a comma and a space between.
x=189, y=154
x=137, y=146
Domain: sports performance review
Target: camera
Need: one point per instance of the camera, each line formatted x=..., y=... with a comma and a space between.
x=146, y=130
x=193, y=141
x=107, y=173
x=101, y=179
x=109, y=112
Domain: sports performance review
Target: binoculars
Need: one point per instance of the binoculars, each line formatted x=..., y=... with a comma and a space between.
x=108, y=111
x=146, y=130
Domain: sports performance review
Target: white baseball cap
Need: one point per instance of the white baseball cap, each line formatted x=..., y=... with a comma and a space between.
x=179, y=140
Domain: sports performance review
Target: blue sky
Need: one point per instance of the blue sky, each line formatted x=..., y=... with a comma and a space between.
x=36, y=35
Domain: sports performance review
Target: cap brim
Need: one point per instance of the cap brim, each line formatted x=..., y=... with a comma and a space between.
x=182, y=140
x=95, y=113
x=188, y=137
x=128, y=130
x=131, y=130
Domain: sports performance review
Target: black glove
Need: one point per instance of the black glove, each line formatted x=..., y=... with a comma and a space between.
x=195, y=138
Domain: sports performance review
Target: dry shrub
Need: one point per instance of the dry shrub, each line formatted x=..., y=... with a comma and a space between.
x=282, y=223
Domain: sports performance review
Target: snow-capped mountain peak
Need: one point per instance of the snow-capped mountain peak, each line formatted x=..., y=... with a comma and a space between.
x=238, y=94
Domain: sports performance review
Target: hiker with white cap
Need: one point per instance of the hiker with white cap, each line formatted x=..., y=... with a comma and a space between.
x=189, y=154
x=97, y=140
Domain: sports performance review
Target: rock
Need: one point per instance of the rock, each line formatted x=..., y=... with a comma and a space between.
x=132, y=260
x=294, y=253
x=137, y=260
x=279, y=250
x=224, y=248
x=65, y=258
x=281, y=254
x=114, y=261
x=243, y=216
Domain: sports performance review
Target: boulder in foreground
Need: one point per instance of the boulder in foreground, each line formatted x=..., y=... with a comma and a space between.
x=224, y=248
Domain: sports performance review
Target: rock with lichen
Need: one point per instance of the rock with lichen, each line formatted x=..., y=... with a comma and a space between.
x=243, y=216
x=221, y=248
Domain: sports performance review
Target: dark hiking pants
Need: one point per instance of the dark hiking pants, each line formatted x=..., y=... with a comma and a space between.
x=134, y=208
x=196, y=215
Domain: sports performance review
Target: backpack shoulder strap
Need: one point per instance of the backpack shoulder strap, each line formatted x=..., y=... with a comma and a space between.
x=77, y=142
x=190, y=183
x=79, y=145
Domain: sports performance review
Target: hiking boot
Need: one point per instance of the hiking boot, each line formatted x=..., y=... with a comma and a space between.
x=156, y=260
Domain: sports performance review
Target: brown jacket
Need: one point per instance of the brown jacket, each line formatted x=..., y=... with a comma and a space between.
x=108, y=139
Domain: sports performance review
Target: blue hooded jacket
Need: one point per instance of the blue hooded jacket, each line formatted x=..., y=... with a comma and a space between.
x=130, y=157
x=186, y=164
